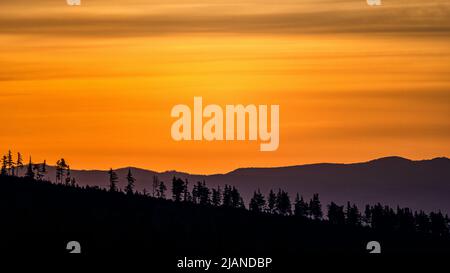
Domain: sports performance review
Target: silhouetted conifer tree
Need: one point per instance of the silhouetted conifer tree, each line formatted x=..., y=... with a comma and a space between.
x=352, y=214
x=377, y=216
x=390, y=218
x=315, y=207
x=44, y=169
x=30, y=174
x=271, y=202
x=130, y=182
x=405, y=220
x=113, y=179
x=10, y=163
x=439, y=225
x=155, y=185
x=236, y=199
x=186, y=194
x=257, y=203
x=161, y=190
x=19, y=163
x=368, y=215
x=216, y=197
x=283, y=203
x=227, y=202
x=422, y=222
x=300, y=207
x=195, y=193
x=177, y=189
x=336, y=214
x=204, y=194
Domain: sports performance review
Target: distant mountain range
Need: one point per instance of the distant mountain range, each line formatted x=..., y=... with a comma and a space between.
x=393, y=181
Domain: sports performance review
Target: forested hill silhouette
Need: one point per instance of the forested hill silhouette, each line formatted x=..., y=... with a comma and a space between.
x=183, y=217
x=38, y=214
x=423, y=184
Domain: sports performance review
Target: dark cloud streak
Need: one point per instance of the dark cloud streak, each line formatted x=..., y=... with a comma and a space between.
x=409, y=21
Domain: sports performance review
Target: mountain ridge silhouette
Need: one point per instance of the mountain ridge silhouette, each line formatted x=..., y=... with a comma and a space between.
x=419, y=184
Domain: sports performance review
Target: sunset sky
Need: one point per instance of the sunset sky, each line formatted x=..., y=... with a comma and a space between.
x=95, y=84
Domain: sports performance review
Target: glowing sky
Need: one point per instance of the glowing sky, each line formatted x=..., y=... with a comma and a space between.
x=95, y=84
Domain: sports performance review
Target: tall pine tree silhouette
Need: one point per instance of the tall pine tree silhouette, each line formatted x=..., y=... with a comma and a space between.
x=257, y=203
x=161, y=190
x=300, y=207
x=113, y=179
x=283, y=203
x=30, y=174
x=336, y=214
x=271, y=202
x=155, y=185
x=19, y=163
x=216, y=198
x=315, y=207
x=130, y=183
x=10, y=163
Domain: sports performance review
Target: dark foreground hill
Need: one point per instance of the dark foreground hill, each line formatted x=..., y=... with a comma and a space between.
x=420, y=185
x=40, y=217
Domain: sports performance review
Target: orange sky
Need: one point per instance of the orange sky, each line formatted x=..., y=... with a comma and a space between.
x=95, y=84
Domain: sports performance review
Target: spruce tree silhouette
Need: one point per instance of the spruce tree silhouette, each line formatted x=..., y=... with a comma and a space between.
x=19, y=163
x=216, y=198
x=204, y=194
x=195, y=193
x=405, y=220
x=257, y=203
x=336, y=214
x=353, y=216
x=227, y=202
x=271, y=202
x=155, y=185
x=161, y=190
x=130, y=183
x=439, y=224
x=30, y=174
x=186, y=194
x=315, y=207
x=377, y=217
x=44, y=169
x=422, y=221
x=113, y=179
x=283, y=203
x=236, y=199
x=10, y=163
x=300, y=207
x=232, y=198
x=368, y=215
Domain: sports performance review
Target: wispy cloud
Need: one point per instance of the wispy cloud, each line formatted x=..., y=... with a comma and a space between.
x=432, y=17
